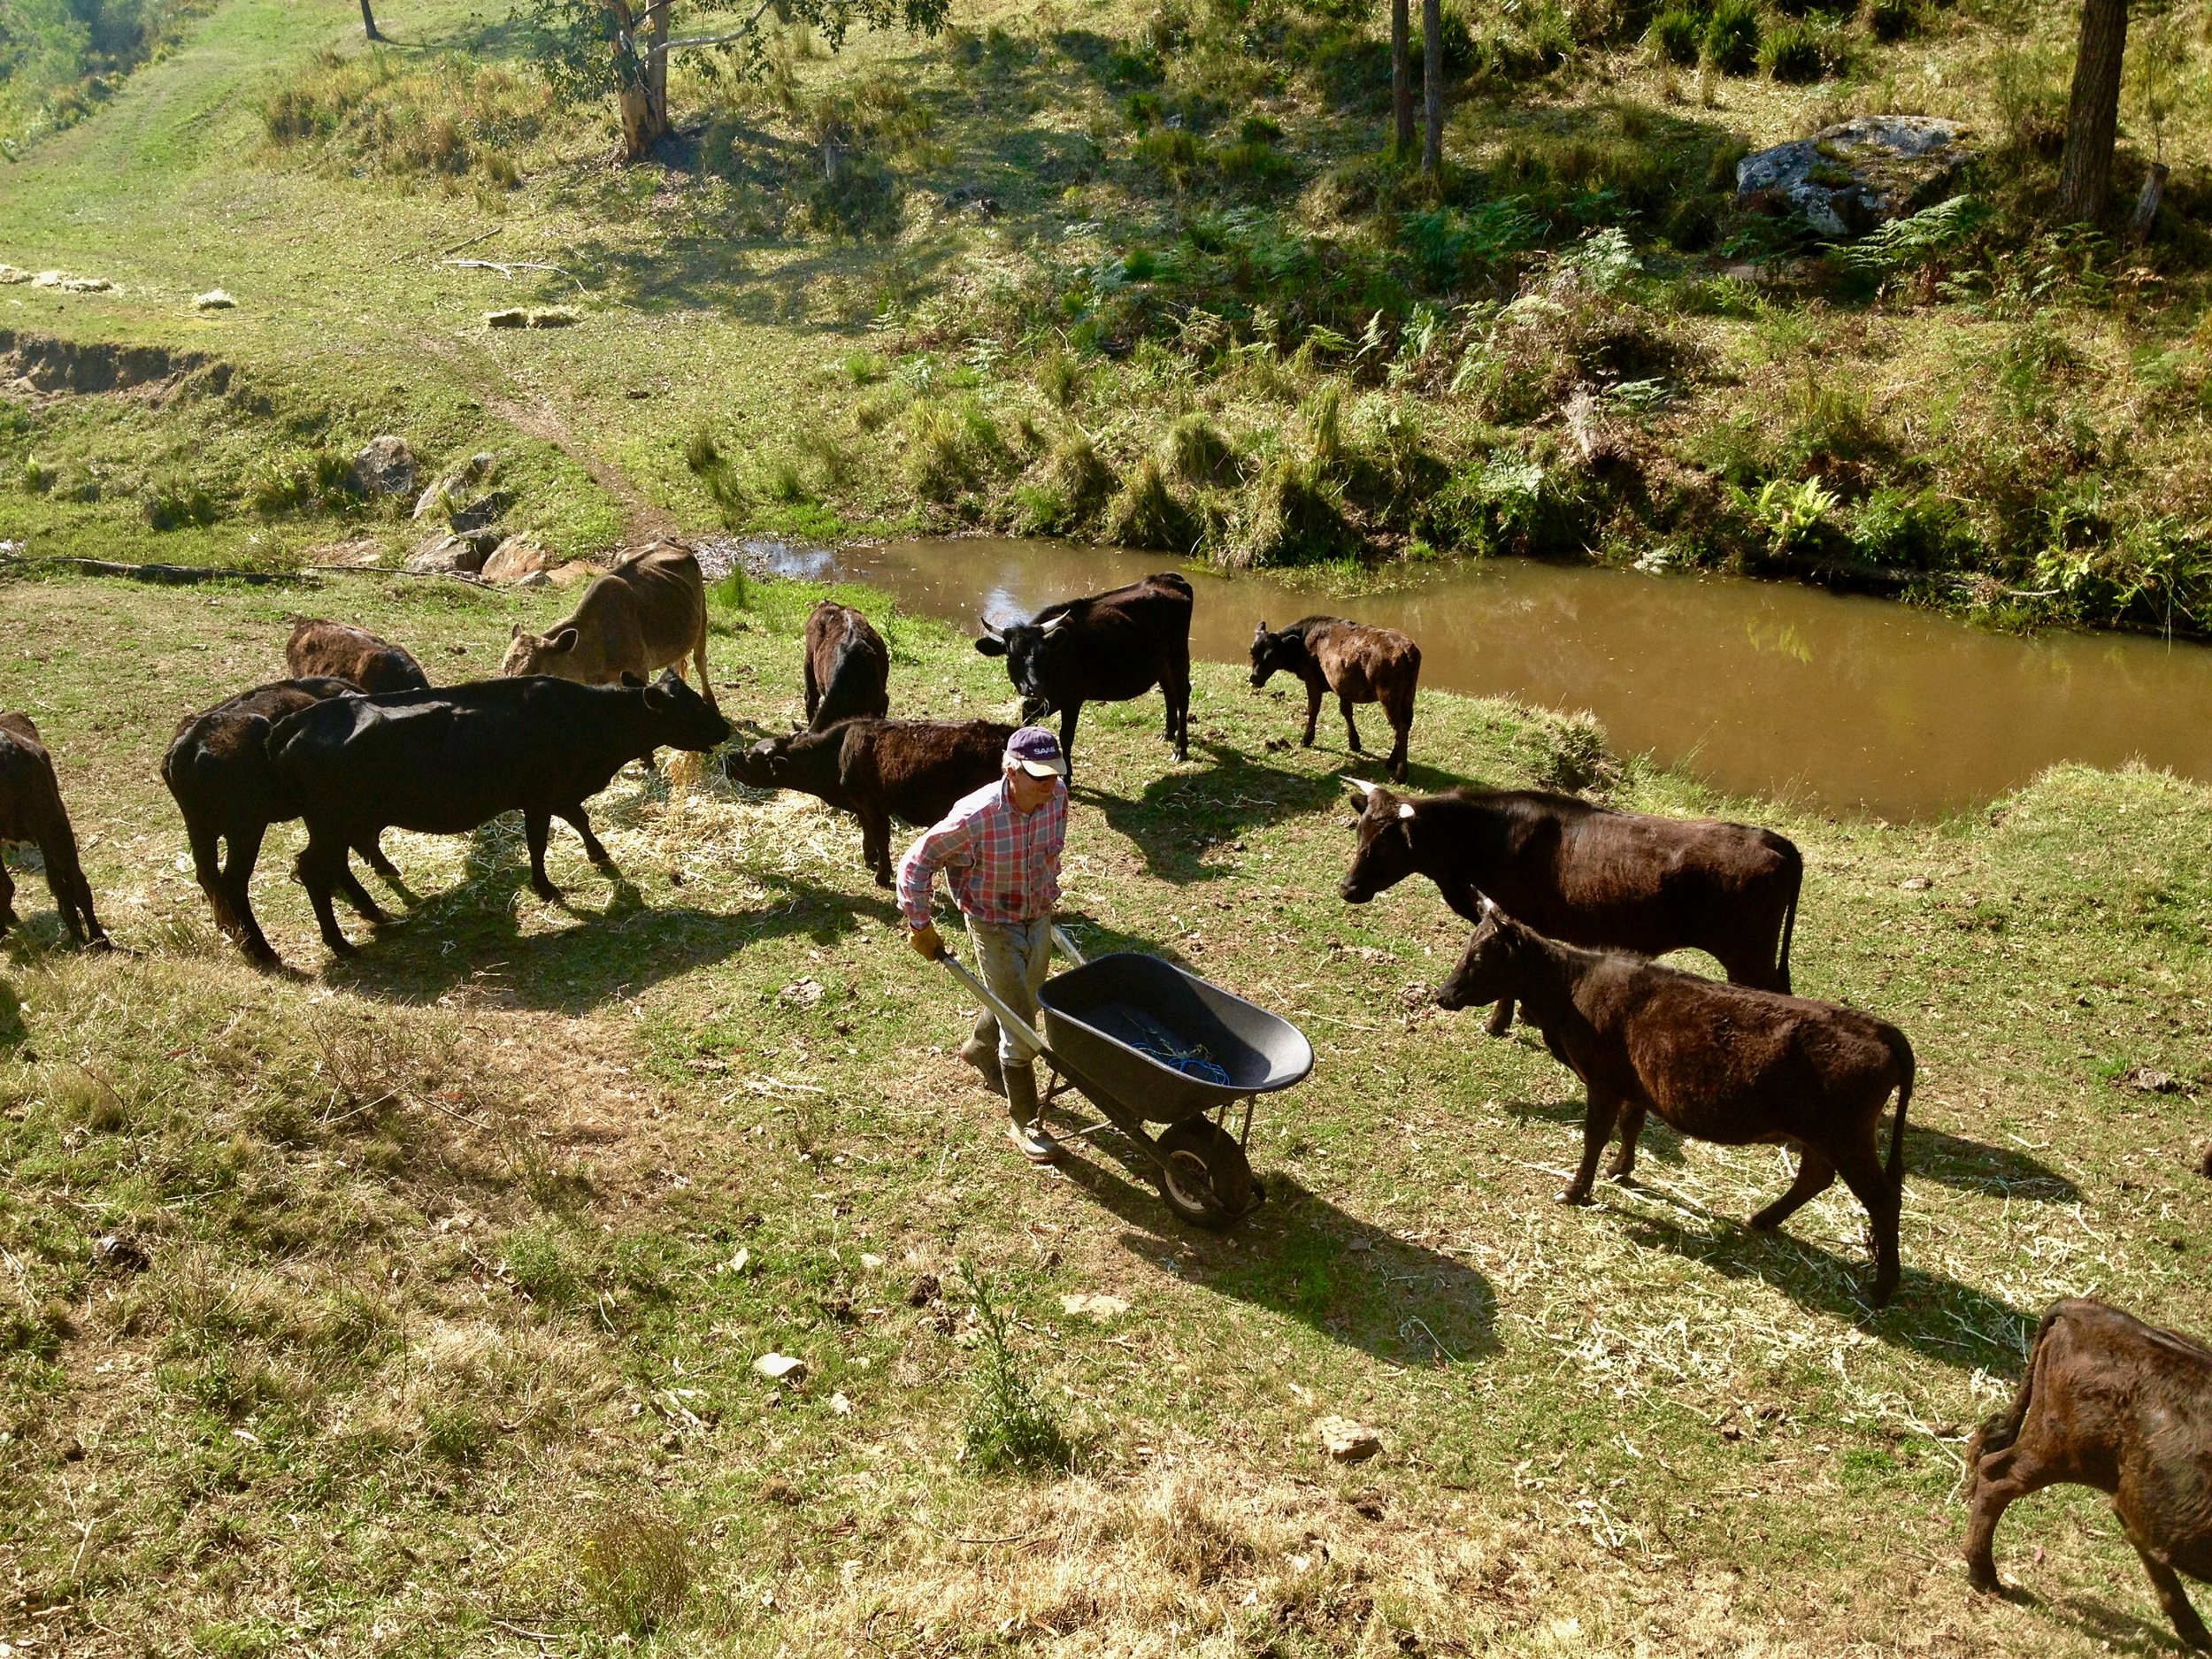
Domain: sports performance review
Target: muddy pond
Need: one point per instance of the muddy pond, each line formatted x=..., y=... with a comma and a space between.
x=1860, y=705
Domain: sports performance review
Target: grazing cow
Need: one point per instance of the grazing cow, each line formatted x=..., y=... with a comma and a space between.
x=1107, y=648
x=31, y=810
x=847, y=667
x=1588, y=875
x=319, y=649
x=1358, y=663
x=877, y=770
x=444, y=762
x=2109, y=1402
x=1721, y=1063
x=218, y=769
x=646, y=614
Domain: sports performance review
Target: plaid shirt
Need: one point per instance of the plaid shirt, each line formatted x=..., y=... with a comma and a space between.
x=1001, y=866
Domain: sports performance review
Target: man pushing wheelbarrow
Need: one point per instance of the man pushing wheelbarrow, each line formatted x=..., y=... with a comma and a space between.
x=1000, y=850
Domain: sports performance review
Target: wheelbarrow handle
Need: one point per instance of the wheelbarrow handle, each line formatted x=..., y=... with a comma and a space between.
x=1025, y=1035
x=1066, y=945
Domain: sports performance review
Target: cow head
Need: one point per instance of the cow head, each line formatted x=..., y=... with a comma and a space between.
x=1490, y=970
x=552, y=653
x=679, y=717
x=1274, y=654
x=1385, y=856
x=762, y=765
x=1038, y=656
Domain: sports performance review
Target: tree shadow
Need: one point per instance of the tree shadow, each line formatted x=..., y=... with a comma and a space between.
x=1180, y=815
x=1300, y=1256
x=1999, y=1172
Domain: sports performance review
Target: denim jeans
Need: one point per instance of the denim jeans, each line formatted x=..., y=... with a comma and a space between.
x=1013, y=959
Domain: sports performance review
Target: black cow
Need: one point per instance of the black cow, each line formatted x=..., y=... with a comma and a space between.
x=847, y=667
x=1107, y=648
x=31, y=811
x=444, y=762
x=877, y=770
x=1589, y=875
x=218, y=769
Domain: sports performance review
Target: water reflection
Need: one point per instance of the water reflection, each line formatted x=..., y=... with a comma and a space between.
x=1859, y=704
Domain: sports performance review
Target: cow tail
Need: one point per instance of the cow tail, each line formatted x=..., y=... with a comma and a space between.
x=2000, y=1431
x=1789, y=916
x=1901, y=1051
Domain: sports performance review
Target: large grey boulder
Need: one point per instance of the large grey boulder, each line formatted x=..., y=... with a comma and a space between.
x=1852, y=178
x=385, y=466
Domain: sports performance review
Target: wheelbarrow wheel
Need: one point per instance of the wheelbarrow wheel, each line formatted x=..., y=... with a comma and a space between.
x=1207, y=1181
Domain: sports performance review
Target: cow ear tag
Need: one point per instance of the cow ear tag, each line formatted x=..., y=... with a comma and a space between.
x=1405, y=809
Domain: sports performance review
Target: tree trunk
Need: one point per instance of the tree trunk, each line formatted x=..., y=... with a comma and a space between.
x=2093, y=113
x=368, y=22
x=1402, y=74
x=1432, y=86
x=641, y=80
x=2146, y=203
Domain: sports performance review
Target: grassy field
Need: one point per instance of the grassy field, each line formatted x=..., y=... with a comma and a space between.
x=1202, y=311
x=457, y=1254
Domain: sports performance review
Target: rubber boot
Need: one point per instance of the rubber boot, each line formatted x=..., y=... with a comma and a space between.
x=981, y=1051
x=1029, y=1132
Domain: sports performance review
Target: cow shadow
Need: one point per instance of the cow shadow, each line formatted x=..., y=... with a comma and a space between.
x=1932, y=1315
x=1937, y=1155
x=1659, y=1140
x=2113, y=1630
x=1181, y=816
x=1302, y=1256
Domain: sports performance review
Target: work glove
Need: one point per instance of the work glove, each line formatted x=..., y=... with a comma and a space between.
x=926, y=944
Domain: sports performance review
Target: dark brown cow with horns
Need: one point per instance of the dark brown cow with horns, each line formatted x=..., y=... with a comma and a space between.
x=1107, y=647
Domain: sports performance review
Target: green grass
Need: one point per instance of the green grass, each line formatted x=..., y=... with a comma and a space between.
x=460, y=1252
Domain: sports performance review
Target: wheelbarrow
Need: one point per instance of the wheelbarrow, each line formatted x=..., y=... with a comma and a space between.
x=1147, y=1043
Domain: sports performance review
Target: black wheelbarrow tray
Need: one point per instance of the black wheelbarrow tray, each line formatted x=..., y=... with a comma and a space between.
x=1199, y=1166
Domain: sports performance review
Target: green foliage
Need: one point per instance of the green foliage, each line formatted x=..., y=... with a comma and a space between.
x=1893, y=19
x=1793, y=53
x=1789, y=511
x=1010, y=1428
x=1732, y=36
x=637, y=1568
x=1678, y=34
x=60, y=59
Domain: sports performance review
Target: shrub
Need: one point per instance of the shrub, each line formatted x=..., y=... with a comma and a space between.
x=1732, y=36
x=1197, y=451
x=1676, y=35
x=1292, y=518
x=1077, y=475
x=1009, y=1427
x=1144, y=514
x=176, y=503
x=1060, y=378
x=1893, y=19
x=1793, y=54
x=937, y=464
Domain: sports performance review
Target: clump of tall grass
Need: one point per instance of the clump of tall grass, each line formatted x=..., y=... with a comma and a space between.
x=637, y=1570
x=1009, y=1427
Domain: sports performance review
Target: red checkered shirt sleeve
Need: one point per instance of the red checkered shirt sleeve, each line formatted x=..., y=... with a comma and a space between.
x=950, y=842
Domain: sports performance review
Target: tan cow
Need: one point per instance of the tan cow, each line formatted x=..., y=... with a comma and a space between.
x=646, y=614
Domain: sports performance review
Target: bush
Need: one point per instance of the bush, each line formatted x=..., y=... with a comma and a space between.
x=1732, y=37
x=1678, y=34
x=1291, y=518
x=1197, y=451
x=1144, y=514
x=1793, y=54
x=176, y=503
x=1009, y=1427
x=1893, y=19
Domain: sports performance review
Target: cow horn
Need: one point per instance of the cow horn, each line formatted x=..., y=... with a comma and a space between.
x=1362, y=785
x=1259, y=632
x=994, y=633
x=1055, y=622
x=1485, y=906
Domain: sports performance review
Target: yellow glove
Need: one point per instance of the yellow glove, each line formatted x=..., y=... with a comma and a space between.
x=926, y=944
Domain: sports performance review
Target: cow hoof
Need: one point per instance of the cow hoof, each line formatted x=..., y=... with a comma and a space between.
x=340, y=946
x=547, y=891
x=1570, y=1196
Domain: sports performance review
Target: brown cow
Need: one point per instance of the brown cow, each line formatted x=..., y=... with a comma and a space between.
x=847, y=667
x=2109, y=1402
x=1358, y=663
x=648, y=613
x=31, y=810
x=320, y=649
x=878, y=769
x=1721, y=1063
x=1589, y=875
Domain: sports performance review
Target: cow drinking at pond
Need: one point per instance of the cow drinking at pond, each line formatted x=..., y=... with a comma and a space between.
x=445, y=761
x=2109, y=1402
x=226, y=786
x=1588, y=875
x=31, y=811
x=1358, y=663
x=878, y=769
x=1720, y=1063
x=1107, y=648
x=847, y=667
x=331, y=650
x=646, y=614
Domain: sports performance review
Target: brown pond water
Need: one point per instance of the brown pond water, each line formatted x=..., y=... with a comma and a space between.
x=1860, y=705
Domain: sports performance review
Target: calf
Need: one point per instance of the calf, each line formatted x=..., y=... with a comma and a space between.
x=645, y=615
x=31, y=810
x=1588, y=875
x=877, y=770
x=444, y=762
x=1107, y=648
x=319, y=649
x=2109, y=1402
x=847, y=667
x=1358, y=663
x=1721, y=1063
x=218, y=769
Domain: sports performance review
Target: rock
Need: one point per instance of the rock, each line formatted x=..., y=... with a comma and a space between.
x=119, y=1253
x=780, y=1367
x=445, y=556
x=1099, y=1307
x=385, y=466
x=574, y=574
x=1850, y=178
x=513, y=559
x=1915, y=884
x=841, y=1405
x=47, y=280
x=347, y=555
x=483, y=513
x=1346, y=1441
x=535, y=578
x=11, y=273
x=513, y=317
x=87, y=285
x=214, y=300
x=2149, y=1080
x=440, y=495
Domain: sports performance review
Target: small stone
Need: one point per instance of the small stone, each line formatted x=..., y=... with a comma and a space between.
x=446, y=555
x=535, y=578
x=870, y=1261
x=119, y=1253
x=780, y=1367
x=800, y=993
x=1346, y=1441
x=841, y=1405
x=739, y=1262
x=1099, y=1307
x=384, y=467
x=1915, y=884
x=513, y=317
x=214, y=300
x=11, y=274
x=87, y=285
x=2149, y=1080
x=481, y=513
